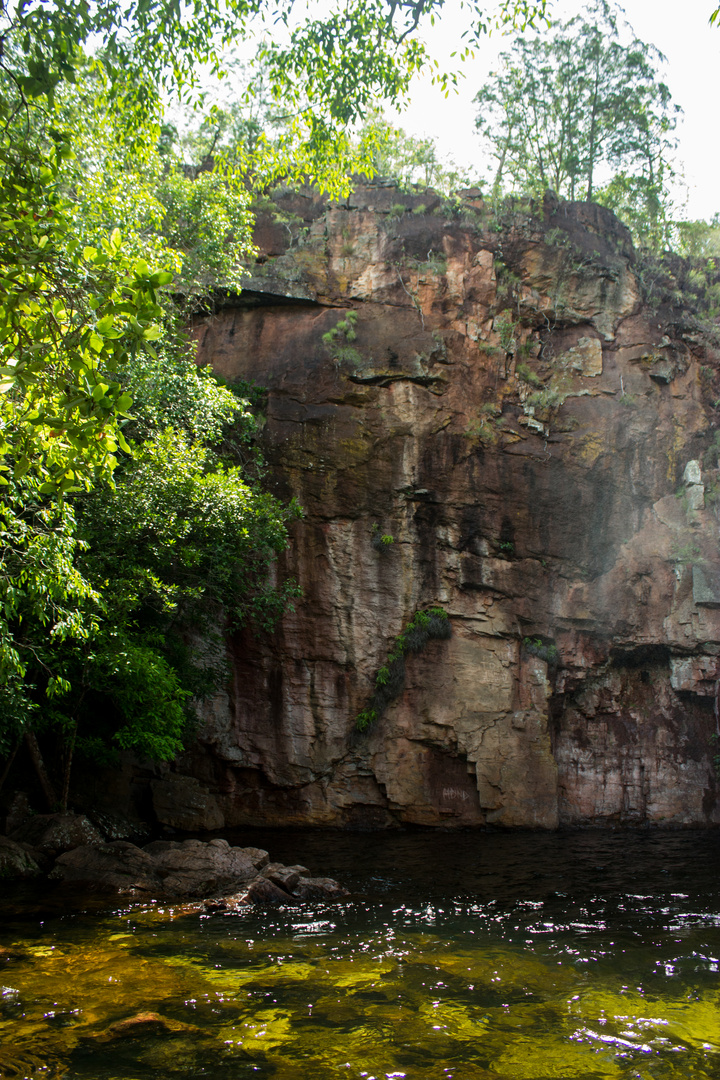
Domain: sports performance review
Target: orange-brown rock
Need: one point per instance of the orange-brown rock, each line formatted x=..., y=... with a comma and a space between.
x=534, y=436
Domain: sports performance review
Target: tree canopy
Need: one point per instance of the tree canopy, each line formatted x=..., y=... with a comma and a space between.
x=583, y=111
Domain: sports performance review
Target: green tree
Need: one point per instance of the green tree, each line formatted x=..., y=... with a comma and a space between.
x=326, y=70
x=85, y=322
x=698, y=239
x=583, y=112
x=124, y=627
x=408, y=159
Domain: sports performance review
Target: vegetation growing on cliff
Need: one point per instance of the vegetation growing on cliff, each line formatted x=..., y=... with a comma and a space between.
x=432, y=624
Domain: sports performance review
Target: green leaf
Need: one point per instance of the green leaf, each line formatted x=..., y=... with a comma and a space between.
x=122, y=442
x=162, y=277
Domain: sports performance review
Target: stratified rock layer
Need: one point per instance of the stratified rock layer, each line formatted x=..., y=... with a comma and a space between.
x=534, y=437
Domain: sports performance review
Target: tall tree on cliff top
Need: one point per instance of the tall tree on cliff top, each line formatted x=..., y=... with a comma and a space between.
x=583, y=112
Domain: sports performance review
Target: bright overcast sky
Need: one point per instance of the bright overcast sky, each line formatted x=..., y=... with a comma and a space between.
x=679, y=29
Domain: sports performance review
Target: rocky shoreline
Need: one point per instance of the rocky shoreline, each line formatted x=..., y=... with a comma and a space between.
x=69, y=848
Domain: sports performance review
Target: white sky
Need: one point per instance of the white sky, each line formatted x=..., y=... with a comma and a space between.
x=679, y=28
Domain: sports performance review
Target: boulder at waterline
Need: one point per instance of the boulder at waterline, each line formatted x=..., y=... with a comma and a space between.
x=189, y=869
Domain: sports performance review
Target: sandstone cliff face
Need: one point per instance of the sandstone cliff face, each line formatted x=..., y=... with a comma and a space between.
x=535, y=439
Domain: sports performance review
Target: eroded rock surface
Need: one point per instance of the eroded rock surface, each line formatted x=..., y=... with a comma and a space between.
x=537, y=440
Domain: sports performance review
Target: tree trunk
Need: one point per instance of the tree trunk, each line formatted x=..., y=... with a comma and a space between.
x=8, y=763
x=593, y=132
x=501, y=164
x=66, y=770
x=42, y=773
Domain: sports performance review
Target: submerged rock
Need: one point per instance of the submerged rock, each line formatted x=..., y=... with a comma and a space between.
x=264, y=890
x=147, y=1023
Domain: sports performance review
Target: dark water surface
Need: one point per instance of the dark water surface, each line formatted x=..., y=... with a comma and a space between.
x=465, y=956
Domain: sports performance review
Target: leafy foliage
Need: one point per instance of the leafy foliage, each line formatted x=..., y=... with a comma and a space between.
x=698, y=239
x=124, y=622
x=544, y=650
x=324, y=72
x=70, y=315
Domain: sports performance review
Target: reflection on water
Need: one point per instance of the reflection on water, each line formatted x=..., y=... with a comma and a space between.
x=504, y=957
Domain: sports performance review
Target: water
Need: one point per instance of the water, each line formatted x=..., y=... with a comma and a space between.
x=457, y=957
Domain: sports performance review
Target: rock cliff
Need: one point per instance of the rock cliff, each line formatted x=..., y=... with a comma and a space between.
x=533, y=425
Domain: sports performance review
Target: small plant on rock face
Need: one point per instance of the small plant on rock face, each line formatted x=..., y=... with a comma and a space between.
x=506, y=330
x=546, y=651
x=528, y=375
x=488, y=427
x=436, y=263
x=425, y=626
x=685, y=554
x=549, y=398
x=344, y=328
x=337, y=340
x=381, y=541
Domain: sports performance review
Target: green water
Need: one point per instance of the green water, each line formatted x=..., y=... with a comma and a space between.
x=465, y=956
